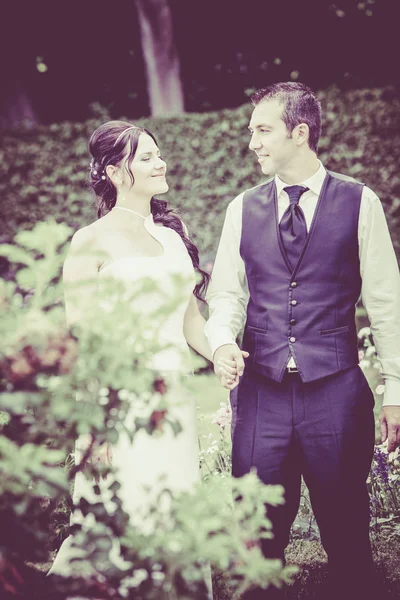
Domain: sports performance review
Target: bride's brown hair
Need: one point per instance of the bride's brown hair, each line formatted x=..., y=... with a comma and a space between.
x=107, y=146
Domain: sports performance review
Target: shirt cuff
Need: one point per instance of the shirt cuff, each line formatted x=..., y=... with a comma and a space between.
x=219, y=338
x=392, y=393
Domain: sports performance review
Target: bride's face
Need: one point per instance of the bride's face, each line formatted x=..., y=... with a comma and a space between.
x=148, y=168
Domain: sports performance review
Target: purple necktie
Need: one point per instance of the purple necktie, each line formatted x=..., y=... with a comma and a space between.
x=293, y=226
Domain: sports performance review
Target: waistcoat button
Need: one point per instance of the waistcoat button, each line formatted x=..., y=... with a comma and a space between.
x=293, y=284
x=293, y=302
x=292, y=339
x=292, y=321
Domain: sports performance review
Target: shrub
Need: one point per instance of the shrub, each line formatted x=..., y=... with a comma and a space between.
x=44, y=369
x=44, y=171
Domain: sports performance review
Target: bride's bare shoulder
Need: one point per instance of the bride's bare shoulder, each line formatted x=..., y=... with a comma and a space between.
x=84, y=238
x=88, y=236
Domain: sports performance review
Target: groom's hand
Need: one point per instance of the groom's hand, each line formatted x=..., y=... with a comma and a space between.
x=229, y=364
x=390, y=426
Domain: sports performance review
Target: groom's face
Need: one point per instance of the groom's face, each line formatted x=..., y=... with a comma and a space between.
x=270, y=139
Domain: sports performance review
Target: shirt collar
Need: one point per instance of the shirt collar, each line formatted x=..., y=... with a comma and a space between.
x=314, y=183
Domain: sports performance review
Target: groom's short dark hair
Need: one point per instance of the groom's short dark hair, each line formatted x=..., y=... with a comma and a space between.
x=300, y=105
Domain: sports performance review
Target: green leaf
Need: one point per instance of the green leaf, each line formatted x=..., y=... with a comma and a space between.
x=45, y=237
x=16, y=254
x=18, y=402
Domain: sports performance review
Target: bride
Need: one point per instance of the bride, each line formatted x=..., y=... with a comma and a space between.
x=136, y=236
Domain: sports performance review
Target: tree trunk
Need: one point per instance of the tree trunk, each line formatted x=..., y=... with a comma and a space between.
x=161, y=59
x=16, y=108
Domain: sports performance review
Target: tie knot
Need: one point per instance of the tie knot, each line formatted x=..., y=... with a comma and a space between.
x=294, y=192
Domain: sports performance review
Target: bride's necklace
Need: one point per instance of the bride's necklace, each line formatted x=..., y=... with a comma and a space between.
x=131, y=211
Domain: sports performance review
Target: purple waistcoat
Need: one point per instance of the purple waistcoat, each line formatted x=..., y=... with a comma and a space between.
x=308, y=312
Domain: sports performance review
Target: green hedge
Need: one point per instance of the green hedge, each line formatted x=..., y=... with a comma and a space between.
x=44, y=171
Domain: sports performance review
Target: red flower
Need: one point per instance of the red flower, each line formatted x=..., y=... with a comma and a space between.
x=252, y=544
x=157, y=419
x=160, y=386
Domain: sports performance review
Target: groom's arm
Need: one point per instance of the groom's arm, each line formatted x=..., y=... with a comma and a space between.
x=228, y=293
x=380, y=295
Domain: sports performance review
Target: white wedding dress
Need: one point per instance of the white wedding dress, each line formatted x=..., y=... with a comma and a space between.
x=151, y=462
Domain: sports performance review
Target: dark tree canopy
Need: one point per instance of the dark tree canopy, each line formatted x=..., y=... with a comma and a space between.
x=92, y=51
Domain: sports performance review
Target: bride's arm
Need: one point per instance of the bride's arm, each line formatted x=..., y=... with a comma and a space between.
x=193, y=329
x=79, y=275
x=79, y=279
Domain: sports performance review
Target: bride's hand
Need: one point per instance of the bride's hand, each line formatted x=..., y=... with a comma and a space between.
x=229, y=365
x=227, y=373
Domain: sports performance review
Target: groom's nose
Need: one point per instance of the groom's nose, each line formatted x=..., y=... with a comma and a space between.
x=254, y=143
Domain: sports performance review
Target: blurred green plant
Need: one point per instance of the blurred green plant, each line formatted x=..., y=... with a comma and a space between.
x=59, y=383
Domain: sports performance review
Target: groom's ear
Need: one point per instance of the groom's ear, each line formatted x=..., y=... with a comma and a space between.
x=301, y=134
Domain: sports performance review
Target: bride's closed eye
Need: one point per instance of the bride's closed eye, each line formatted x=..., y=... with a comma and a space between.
x=147, y=158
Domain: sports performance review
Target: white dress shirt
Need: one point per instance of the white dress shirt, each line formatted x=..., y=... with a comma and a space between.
x=228, y=292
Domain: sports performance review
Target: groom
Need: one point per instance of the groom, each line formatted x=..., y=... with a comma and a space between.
x=295, y=254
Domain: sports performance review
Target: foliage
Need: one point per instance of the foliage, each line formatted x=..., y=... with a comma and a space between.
x=44, y=171
x=93, y=382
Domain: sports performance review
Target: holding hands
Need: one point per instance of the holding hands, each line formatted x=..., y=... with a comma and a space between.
x=229, y=365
